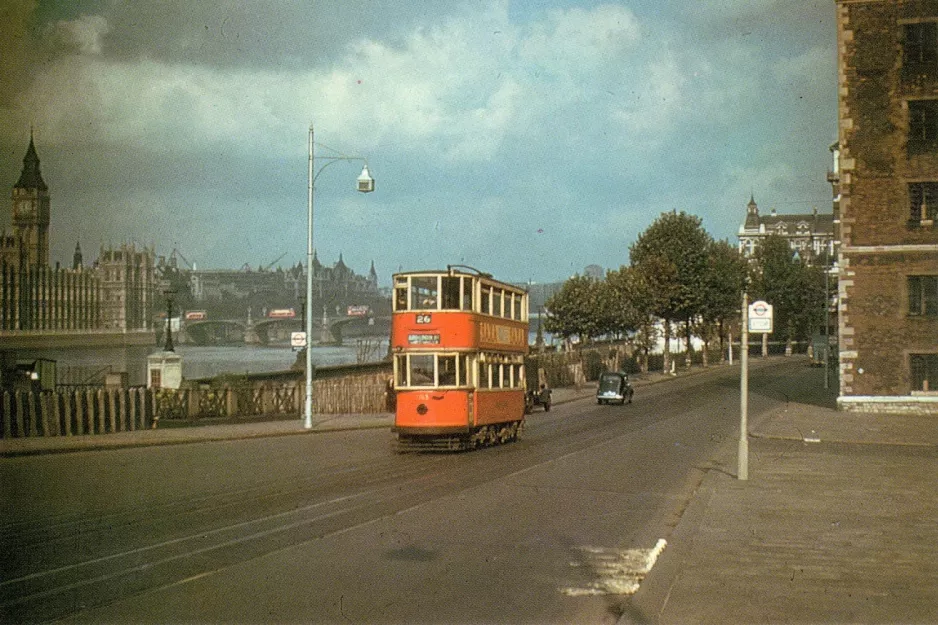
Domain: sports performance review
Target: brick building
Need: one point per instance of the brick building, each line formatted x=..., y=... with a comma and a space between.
x=888, y=183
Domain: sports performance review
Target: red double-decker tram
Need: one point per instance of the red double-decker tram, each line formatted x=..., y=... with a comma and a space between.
x=459, y=338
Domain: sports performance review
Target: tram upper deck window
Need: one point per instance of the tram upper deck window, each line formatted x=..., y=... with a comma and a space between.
x=450, y=293
x=498, y=298
x=467, y=293
x=423, y=293
x=518, y=309
x=400, y=293
x=486, y=300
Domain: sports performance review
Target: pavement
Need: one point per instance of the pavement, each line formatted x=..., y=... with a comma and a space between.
x=196, y=432
x=836, y=523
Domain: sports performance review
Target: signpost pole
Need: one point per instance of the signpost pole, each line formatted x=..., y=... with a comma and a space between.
x=742, y=471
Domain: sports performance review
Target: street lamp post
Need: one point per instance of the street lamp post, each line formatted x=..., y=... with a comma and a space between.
x=168, y=345
x=365, y=184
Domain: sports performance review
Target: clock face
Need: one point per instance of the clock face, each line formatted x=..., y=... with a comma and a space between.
x=25, y=209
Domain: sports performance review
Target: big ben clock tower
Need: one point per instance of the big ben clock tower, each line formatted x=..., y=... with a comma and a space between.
x=31, y=210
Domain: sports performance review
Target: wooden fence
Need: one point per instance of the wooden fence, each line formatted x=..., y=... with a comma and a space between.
x=87, y=410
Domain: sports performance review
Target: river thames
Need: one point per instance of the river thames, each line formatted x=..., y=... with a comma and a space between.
x=88, y=365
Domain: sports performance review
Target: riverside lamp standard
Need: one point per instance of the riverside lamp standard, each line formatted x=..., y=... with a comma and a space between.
x=168, y=346
x=364, y=184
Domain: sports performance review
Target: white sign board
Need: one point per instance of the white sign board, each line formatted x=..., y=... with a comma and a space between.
x=760, y=317
x=297, y=340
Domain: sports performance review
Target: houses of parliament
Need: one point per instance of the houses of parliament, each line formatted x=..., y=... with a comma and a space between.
x=115, y=293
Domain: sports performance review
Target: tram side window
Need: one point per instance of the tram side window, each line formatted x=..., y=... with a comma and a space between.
x=518, y=307
x=421, y=370
x=485, y=375
x=519, y=375
x=423, y=293
x=401, y=379
x=486, y=300
x=400, y=298
x=450, y=293
x=446, y=370
x=497, y=297
x=463, y=371
x=467, y=293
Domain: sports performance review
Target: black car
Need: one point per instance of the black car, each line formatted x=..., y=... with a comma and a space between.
x=614, y=386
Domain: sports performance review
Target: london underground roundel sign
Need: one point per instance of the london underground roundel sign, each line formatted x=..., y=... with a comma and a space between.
x=760, y=317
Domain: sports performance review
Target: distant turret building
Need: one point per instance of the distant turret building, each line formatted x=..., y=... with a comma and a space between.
x=811, y=236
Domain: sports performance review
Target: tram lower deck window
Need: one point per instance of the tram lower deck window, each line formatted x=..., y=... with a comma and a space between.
x=421, y=370
x=447, y=370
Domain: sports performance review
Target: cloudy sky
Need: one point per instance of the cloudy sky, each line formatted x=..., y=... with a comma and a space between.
x=526, y=138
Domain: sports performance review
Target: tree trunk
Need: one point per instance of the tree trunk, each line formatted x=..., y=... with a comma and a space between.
x=722, y=343
x=688, y=360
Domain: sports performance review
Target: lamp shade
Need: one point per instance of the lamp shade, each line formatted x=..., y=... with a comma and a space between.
x=366, y=184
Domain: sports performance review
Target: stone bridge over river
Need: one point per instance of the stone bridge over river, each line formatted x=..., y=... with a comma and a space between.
x=329, y=331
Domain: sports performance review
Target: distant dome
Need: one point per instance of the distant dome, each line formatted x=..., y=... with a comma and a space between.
x=594, y=271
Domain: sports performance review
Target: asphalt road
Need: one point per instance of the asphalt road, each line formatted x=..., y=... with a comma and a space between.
x=337, y=528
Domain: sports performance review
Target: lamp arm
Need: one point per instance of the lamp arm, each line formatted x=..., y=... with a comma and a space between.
x=335, y=159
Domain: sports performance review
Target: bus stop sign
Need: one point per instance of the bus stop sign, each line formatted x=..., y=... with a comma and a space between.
x=760, y=317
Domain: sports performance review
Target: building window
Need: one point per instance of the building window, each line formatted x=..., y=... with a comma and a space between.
x=920, y=48
x=924, y=372
x=923, y=296
x=923, y=201
x=923, y=126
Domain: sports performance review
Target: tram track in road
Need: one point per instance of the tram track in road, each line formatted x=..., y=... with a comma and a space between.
x=267, y=492
x=53, y=591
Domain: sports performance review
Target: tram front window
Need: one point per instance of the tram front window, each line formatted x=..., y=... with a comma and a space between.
x=421, y=370
x=447, y=370
x=423, y=293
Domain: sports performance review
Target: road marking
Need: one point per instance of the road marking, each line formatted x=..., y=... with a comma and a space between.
x=618, y=571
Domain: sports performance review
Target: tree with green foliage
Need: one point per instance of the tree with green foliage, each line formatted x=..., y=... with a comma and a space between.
x=793, y=288
x=722, y=290
x=577, y=309
x=671, y=255
x=633, y=309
